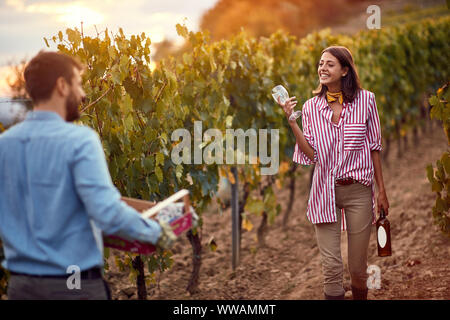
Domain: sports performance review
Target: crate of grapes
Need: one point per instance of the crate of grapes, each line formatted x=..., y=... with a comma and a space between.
x=178, y=214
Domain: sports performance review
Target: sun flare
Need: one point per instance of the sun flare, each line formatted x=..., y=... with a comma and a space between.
x=73, y=15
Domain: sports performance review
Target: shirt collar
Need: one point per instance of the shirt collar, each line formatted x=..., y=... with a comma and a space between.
x=43, y=115
x=324, y=103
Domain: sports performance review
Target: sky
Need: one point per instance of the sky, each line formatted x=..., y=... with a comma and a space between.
x=24, y=23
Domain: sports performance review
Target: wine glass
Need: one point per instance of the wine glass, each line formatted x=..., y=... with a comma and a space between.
x=280, y=92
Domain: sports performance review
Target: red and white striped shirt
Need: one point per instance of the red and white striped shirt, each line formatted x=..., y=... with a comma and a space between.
x=340, y=150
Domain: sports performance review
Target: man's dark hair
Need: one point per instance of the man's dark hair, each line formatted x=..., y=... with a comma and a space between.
x=350, y=84
x=44, y=69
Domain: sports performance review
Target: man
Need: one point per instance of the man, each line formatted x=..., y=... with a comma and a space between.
x=56, y=194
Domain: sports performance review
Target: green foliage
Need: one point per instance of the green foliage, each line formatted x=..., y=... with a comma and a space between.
x=441, y=108
x=4, y=275
x=440, y=177
x=414, y=13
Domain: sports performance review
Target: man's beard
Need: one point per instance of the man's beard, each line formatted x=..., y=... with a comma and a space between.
x=72, y=112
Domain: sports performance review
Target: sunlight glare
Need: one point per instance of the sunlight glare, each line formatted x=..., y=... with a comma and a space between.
x=73, y=15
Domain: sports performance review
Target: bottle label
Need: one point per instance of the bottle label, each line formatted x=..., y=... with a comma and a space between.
x=382, y=237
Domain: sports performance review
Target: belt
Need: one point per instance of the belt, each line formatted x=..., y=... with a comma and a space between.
x=345, y=181
x=93, y=273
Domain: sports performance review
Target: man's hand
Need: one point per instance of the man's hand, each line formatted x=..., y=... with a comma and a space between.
x=167, y=237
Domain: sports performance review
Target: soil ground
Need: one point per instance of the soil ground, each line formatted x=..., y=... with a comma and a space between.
x=288, y=266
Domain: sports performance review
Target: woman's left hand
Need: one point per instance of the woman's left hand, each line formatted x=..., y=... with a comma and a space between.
x=382, y=202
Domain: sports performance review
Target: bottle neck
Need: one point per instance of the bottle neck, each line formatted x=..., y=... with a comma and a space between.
x=382, y=214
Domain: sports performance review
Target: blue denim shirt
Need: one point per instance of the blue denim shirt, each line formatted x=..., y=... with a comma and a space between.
x=56, y=198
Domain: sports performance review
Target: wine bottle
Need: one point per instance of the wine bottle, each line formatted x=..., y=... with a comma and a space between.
x=383, y=235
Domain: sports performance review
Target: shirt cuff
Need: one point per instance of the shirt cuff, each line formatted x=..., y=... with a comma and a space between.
x=375, y=147
x=301, y=158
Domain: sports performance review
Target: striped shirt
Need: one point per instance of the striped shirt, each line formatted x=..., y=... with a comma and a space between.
x=341, y=150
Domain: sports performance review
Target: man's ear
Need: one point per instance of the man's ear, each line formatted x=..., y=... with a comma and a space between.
x=61, y=87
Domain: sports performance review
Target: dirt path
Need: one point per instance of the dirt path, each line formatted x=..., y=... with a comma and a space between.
x=289, y=266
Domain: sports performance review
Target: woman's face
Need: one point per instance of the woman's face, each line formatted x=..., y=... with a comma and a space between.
x=330, y=70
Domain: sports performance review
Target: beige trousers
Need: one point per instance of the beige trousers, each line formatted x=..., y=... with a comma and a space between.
x=356, y=199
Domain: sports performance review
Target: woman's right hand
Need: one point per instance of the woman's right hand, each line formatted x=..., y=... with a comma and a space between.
x=288, y=106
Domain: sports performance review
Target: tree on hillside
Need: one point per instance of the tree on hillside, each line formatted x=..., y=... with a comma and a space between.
x=16, y=83
x=163, y=49
x=263, y=17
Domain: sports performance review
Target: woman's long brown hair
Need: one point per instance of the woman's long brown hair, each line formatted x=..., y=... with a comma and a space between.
x=350, y=84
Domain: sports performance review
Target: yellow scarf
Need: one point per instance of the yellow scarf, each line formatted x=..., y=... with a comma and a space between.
x=331, y=96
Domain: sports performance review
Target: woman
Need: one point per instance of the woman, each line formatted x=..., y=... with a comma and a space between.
x=341, y=136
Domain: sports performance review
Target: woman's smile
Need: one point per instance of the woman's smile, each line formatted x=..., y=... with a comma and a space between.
x=330, y=71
